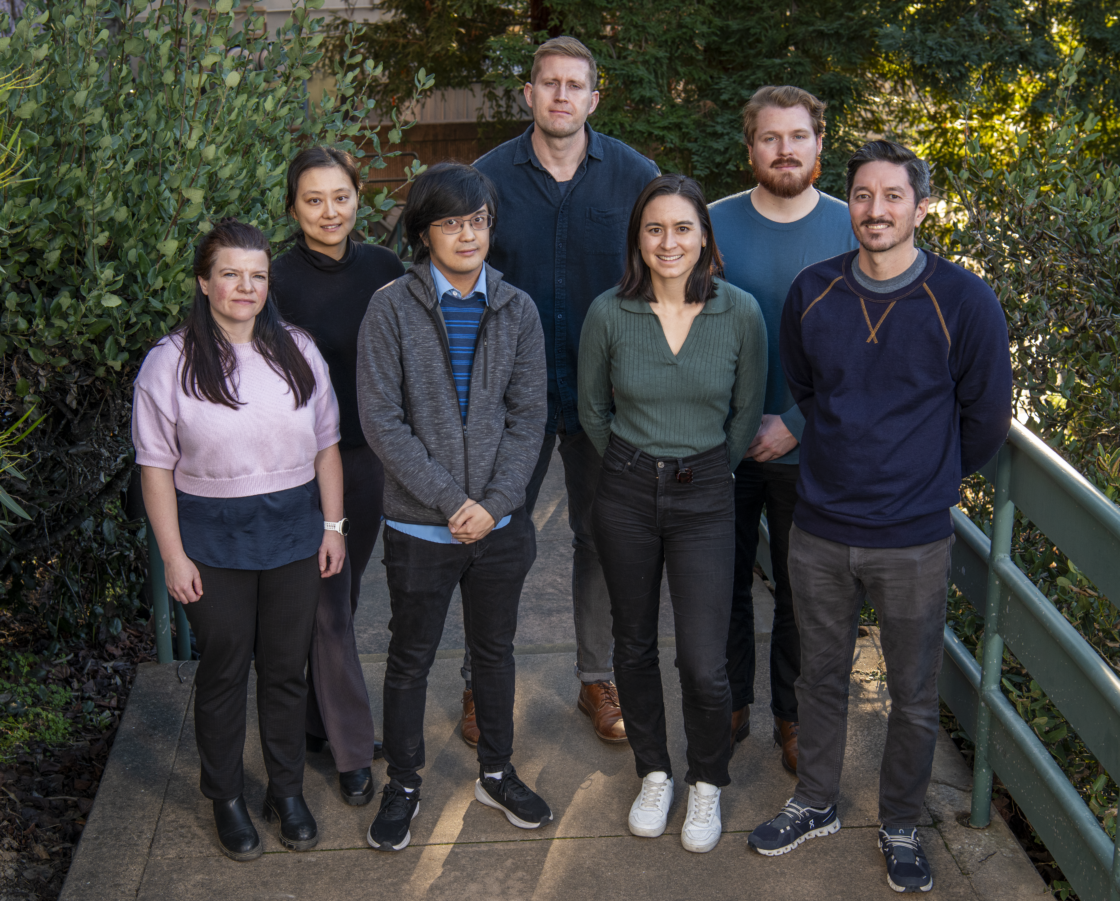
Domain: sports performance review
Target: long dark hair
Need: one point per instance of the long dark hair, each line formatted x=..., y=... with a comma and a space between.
x=444, y=190
x=636, y=282
x=209, y=360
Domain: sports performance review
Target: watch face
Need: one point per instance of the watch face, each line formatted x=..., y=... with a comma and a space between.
x=344, y=526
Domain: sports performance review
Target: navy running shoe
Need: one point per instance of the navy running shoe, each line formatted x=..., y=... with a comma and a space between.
x=791, y=827
x=907, y=867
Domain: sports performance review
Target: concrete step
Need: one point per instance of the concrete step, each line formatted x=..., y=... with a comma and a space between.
x=151, y=836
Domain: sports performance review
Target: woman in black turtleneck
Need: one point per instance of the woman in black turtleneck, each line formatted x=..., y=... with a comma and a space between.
x=323, y=285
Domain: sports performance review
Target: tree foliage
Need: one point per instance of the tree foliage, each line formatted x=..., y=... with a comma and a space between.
x=150, y=122
x=674, y=76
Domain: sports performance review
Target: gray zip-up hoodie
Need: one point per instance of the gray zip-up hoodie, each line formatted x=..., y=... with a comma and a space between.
x=410, y=411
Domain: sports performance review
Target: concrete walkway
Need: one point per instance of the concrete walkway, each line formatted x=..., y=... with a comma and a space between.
x=150, y=834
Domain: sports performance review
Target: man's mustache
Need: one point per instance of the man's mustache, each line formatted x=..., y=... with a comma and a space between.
x=785, y=161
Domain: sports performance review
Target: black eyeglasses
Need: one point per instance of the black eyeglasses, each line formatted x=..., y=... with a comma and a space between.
x=454, y=226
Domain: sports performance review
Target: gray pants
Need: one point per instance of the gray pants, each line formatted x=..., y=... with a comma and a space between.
x=337, y=703
x=907, y=587
x=590, y=601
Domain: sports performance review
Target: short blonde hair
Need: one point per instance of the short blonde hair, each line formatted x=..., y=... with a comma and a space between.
x=565, y=46
x=786, y=97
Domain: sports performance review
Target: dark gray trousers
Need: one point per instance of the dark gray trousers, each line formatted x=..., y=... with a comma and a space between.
x=338, y=703
x=245, y=613
x=907, y=587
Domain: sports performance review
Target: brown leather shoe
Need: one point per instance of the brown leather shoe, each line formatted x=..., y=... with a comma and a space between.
x=785, y=734
x=468, y=728
x=740, y=725
x=599, y=700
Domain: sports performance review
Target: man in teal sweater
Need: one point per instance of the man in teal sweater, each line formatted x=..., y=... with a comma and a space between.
x=767, y=235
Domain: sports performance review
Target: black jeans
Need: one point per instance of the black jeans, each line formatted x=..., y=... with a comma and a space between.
x=773, y=485
x=645, y=519
x=269, y=613
x=422, y=576
x=591, y=607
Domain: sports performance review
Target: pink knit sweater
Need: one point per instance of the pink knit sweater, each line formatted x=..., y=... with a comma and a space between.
x=265, y=445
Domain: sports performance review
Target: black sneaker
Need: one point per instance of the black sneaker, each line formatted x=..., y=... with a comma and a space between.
x=389, y=829
x=791, y=827
x=522, y=806
x=907, y=867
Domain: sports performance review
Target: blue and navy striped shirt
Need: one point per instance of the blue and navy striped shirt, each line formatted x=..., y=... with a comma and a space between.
x=462, y=316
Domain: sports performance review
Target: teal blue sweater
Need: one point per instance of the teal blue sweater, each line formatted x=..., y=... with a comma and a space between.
x=711, y=392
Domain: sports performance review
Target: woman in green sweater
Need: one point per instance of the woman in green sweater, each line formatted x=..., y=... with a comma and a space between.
x=681, y=356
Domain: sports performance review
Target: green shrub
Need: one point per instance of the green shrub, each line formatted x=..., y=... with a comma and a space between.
x=147, y=123
x=1044, y=231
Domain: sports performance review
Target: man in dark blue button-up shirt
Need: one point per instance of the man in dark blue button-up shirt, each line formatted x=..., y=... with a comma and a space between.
x=564, y=199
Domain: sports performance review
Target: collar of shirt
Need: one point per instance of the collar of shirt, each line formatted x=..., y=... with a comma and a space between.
x=526, y=154
x=443, y=285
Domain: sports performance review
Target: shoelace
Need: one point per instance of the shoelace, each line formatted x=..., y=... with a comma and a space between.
x=703, y=808
x=397, y=801
x=612, y=694
x=651, y=794
x=511, y=786
x=792, y=811
x=906, y=843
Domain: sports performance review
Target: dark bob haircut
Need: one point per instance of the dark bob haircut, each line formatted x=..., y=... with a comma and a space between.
x=445, y=190
x=917, y=170
x=319, y=157
x=637, y=283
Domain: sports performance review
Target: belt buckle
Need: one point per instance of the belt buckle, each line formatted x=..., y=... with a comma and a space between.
x=684, y=475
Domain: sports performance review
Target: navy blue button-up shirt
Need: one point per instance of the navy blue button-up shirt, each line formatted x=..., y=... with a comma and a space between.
x=563, y=243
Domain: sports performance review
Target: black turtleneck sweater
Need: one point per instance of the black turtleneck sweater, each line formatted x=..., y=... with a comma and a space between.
x=328, y=299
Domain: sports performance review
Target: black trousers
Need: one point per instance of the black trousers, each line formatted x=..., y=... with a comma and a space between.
x=422, y=576
x=773, y=485
x=646, y=520
x=242, y=613
x=337, y=701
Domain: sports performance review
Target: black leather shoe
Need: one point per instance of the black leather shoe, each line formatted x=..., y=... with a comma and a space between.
x=315, y=745
x=378, y=750
x=357, y=786
x=298, y=831
x=236, y=834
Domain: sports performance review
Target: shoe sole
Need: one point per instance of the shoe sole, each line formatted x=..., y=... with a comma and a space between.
x=481, y=795
x=402, y=845
x=832, y=827
x=646, y=831
x=358, y=800
x=241, y=856
x=271, y=816
x=700, y=849
x=586, y=708
x=913, y=888
x=466, y=741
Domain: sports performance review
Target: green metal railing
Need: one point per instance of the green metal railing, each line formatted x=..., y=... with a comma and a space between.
x=1085, y=526
x=162, y=612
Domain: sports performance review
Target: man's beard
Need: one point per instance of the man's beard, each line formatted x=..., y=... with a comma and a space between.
x=787, y=183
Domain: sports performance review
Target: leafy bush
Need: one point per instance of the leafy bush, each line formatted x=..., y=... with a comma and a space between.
x=146, y=123
x=1044, y=230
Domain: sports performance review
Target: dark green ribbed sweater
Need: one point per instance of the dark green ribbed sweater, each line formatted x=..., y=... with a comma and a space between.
x=712, y=391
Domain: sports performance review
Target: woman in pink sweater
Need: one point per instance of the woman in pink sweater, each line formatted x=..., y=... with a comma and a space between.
x=236, y=431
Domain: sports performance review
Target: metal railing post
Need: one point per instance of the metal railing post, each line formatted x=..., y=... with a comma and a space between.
x=182, y=633
x=159, y=599
x=1115, y=893
x=1003, y=520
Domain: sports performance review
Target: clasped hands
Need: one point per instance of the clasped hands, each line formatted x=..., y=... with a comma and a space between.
x=470, y=523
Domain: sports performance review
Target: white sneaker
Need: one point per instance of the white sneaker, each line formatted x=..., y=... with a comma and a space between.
x=650, y=811
x=702, y=825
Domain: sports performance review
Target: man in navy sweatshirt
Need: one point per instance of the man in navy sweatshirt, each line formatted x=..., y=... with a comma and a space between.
x=899, y=360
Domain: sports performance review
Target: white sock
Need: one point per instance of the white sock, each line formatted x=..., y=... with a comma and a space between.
x=495, y=776
x=408, y=791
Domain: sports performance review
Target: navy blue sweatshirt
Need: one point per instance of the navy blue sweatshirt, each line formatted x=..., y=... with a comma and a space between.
x=904, y=394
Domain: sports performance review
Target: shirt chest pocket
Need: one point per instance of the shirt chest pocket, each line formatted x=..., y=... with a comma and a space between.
x=606, y=231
